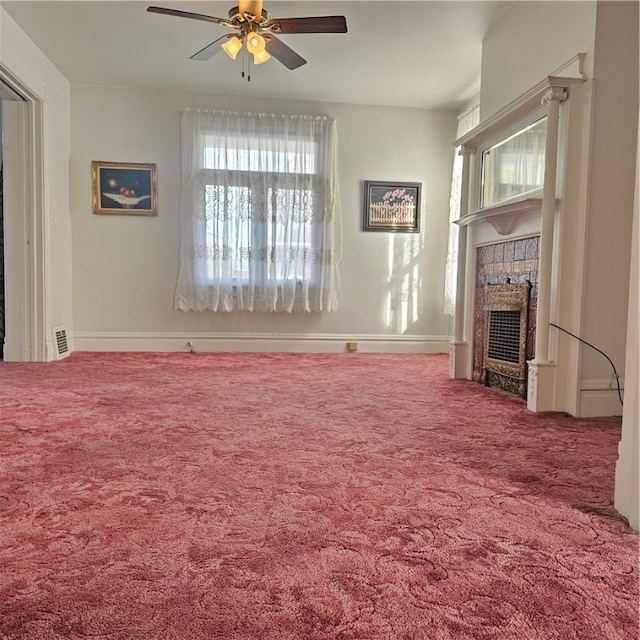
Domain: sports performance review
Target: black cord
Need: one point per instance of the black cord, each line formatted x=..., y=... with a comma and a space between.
x=613, y=366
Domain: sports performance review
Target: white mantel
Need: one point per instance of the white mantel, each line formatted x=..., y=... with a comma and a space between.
x=504, y=217
x=552, y=212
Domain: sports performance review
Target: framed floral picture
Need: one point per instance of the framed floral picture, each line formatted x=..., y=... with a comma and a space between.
x=392, y=206
x=124, y=188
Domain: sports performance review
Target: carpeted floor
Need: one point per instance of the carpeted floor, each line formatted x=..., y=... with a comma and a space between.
x=301, y=497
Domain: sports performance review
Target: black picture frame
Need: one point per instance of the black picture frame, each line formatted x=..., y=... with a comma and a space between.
x=392, y=206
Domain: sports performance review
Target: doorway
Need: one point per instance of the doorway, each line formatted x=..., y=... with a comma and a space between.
x=22, y=302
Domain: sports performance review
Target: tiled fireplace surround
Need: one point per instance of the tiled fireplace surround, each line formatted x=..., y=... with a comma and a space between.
x=516, y=260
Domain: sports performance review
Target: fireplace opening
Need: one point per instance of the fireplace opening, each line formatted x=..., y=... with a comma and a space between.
x=504, y=336
x=506, y=327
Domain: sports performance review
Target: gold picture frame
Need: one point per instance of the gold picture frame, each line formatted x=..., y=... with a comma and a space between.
x=124, y=188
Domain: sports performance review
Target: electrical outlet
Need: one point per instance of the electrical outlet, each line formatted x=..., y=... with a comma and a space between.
x=352, y=346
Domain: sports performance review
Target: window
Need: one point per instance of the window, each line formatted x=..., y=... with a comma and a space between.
x=259, y=209
x=241, y=217
x=515, y=166
x=246, y=229
x=467, y=120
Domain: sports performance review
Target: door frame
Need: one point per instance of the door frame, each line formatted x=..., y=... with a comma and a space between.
x=25, y=229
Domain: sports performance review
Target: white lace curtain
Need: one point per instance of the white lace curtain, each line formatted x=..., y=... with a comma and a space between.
x=516, y=165
x=466, y=121
x=260, y=213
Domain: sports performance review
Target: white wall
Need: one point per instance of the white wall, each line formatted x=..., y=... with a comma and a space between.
x=20, y=57
x=627, y=495
x=530, y=43
x=611, y=186
x=125, y=267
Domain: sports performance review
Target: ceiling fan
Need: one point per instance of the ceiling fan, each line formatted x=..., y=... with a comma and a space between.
x=256, y=29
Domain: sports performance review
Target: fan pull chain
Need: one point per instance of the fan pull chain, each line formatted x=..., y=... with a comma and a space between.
x=245, y=65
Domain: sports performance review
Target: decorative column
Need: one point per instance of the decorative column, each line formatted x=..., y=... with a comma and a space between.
x=459, y=364
x=541, y=386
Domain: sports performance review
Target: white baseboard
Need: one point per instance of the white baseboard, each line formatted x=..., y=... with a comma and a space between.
x=258, y=342
x=599, y=398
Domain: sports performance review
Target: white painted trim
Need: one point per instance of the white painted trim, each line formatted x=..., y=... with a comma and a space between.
x=259, y=342
x=19, y=78
x=601, y=384
x=540, y=385
x=26, y=228
x=570, y=250
x=510, y=118
x=7, y=93
x=504, y=218
x=627, y=486
x=599, y=398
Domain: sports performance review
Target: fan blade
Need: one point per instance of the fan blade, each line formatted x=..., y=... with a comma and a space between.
x=209, y=51
x=187, y=14
x=283, y=53
x=323, y=24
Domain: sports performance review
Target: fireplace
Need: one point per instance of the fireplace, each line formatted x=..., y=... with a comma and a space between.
x=537, y=236
x=504, y=363
x=513, y=259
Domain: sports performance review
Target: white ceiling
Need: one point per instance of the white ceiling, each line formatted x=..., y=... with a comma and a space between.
x=415, y=54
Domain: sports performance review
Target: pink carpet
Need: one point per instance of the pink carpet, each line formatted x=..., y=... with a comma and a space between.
x=301, y=497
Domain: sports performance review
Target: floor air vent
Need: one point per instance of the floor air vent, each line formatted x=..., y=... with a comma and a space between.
x=504, y=364
x=61, y=344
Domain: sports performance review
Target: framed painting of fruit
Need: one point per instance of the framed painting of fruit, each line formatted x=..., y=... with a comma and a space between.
x=124, y=188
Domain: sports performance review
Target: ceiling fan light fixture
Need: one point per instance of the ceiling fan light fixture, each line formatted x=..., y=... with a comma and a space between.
x=255, y=43
x=261, y=57
x=250, y=20
x=253, y=7
x=232, y=47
